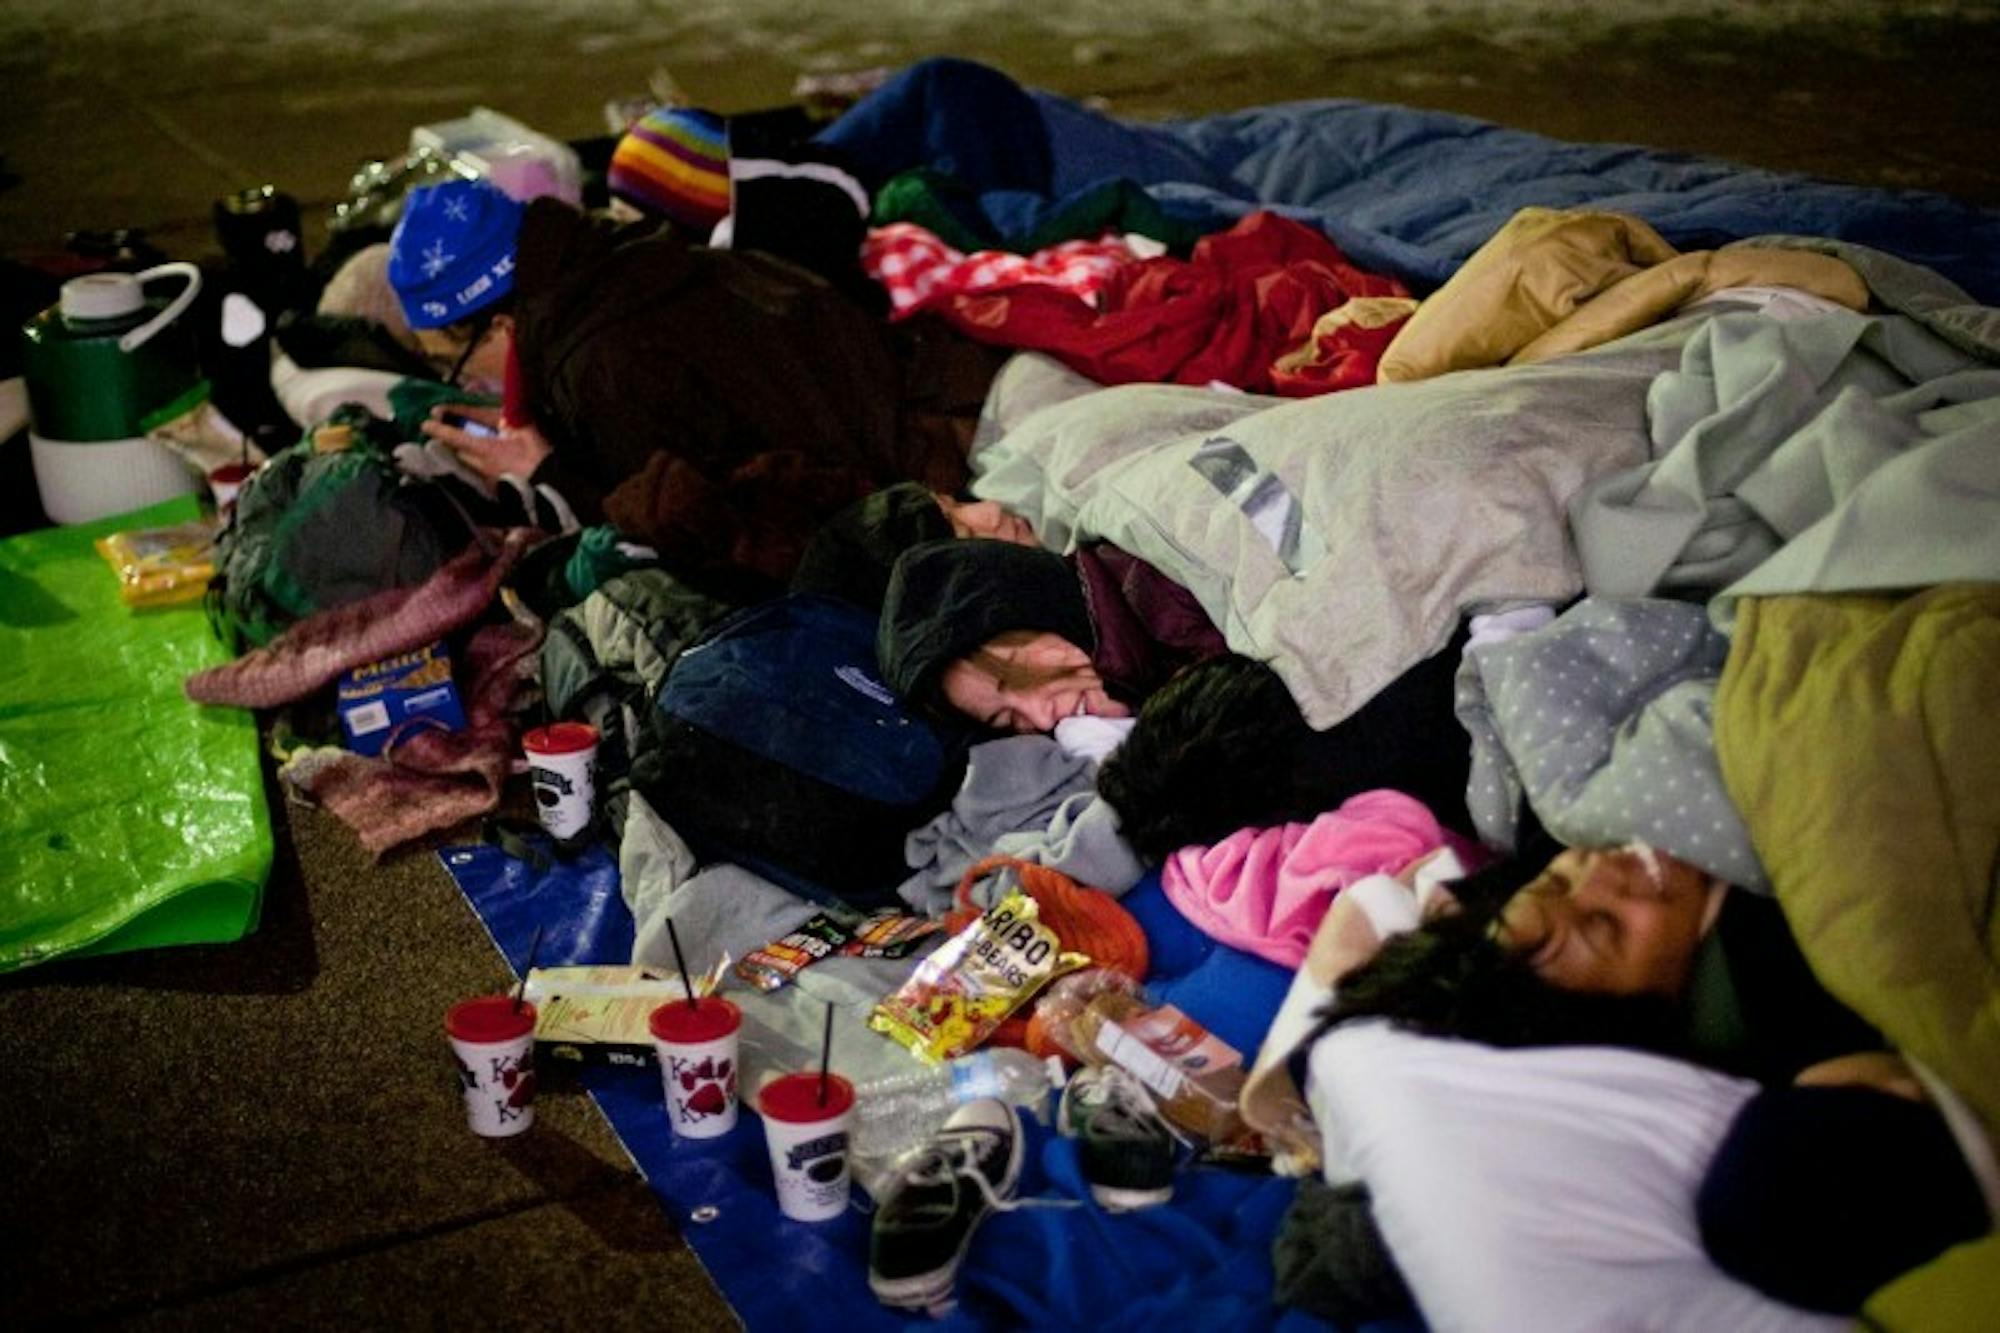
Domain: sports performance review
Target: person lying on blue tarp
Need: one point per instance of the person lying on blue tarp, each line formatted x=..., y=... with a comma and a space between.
x=1019, y=639
x=1634, y=947
x=1663, y=955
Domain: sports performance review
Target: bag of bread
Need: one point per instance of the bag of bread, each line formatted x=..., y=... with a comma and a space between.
x=1195, y=1077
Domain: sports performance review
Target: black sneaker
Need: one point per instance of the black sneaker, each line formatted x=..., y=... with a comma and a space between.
x=1126, y=1148
x=923, y=1225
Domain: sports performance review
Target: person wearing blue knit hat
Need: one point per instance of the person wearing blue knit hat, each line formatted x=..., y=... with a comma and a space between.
x=452, y=262
x=715, y=405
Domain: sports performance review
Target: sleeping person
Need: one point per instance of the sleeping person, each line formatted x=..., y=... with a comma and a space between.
x=1839, y=1176
x=1630, y=944
x=1019, y=638
x=1223, y=747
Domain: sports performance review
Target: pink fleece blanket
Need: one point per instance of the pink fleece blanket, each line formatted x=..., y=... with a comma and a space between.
x=1265, y=890
x=433, y=778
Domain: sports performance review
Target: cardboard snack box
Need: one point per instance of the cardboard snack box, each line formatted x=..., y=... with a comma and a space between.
x=376, y=700
x=598, y=1015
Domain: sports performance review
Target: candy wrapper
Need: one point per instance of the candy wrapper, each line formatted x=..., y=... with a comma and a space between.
x=958, y=995
x=161, y=566
x=776, y=963
x=890, y=935
x=882, y=935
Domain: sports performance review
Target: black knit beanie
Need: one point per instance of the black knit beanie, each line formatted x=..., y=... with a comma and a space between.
x=853, y=553
x=946, y=599
x=1819, y=1195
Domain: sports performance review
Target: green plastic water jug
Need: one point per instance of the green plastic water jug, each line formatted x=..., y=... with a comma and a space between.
x=104, y=356
x=97, y=363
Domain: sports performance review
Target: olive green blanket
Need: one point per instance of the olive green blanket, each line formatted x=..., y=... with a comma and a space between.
x=1860, y=737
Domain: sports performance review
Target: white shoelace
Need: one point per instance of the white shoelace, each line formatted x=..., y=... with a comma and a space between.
x=957, y=1156
x=1125, y=1101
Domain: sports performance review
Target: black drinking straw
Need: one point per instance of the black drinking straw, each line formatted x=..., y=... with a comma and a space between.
x=521, y=991
x=681, y=963
x=825, y=1052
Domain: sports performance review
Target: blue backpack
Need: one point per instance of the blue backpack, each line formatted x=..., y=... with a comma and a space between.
x=775, y=744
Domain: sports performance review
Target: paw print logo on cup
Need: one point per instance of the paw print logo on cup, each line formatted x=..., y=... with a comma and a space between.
x=704, y=1088
x=697, y=1046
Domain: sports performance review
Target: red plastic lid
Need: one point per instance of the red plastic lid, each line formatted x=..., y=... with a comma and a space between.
x=560, y=738
x=794, y=1098
x=232, y=474
x=490, y=1018
x=709, y=1018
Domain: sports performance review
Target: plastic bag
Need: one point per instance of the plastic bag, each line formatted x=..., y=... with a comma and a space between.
x=375, y=195
x=1195, y=1077
x=1059, y=1006
x=523, y=163
x=162, y=566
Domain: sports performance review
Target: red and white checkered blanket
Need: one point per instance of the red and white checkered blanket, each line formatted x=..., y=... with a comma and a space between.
x=919, y=270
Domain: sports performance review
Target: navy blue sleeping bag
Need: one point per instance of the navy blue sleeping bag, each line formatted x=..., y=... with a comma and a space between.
x=776, y=746
x=1402, y=191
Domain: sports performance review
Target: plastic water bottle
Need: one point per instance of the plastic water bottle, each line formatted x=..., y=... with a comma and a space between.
x=896, y=1115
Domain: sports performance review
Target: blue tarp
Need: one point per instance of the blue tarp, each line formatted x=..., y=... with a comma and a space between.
x=1203, y=1260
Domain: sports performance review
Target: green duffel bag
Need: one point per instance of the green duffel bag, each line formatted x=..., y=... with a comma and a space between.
x=314, y=530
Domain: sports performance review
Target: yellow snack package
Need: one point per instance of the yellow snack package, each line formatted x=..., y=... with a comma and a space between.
x=161, y=566
x=971, y=983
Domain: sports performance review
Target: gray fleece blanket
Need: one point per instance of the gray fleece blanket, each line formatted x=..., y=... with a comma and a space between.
x=1340, y=537
x=1837, y=453
x=1023, y=796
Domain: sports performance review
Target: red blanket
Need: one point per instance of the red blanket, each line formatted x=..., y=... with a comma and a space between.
x=1246, y=297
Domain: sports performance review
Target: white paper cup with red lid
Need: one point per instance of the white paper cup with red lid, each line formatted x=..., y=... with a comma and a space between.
x=227, y=481
x=494, y=1040
x=697, y=1045
x=807, y=1136
x=561, y=757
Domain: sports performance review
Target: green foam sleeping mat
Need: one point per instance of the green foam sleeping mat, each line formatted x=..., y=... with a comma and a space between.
x=130, y=817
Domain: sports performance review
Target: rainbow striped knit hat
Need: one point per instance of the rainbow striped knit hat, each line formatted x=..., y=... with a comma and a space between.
x=674, y=163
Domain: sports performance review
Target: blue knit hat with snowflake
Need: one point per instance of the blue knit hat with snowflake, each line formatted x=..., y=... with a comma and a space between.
x=453, y=251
